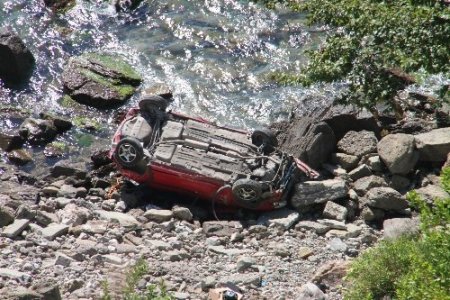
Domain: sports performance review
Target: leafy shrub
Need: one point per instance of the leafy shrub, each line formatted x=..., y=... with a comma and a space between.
x=374, y=45
x=132, y=278
x=414, y=267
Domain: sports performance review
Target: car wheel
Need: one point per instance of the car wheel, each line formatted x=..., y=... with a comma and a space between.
x=266, y=138
x=247, y=192
x=129, y=152
x=153, y=102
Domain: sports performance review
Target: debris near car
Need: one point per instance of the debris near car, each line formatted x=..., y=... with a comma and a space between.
x=224, y=293
x=174, y=152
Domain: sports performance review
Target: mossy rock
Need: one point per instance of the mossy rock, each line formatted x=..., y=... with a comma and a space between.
x=100, y=80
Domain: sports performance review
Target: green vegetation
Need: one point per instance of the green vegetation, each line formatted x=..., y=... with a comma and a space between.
x=377, y=46
x=86, y=123
x=136, y=273
x=115, y=64
x=124, y=91
x=412, y=267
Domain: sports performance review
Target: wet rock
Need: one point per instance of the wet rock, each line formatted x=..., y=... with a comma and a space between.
x=59, y=4
x=66, y=168
x=125, y=5
x=398, y=153
x=38, y=131
x=62, y=124
x=348, y=162
x=434, y=145
x=313, y=192
x=310, y=291
x=16, y=61
x=9, y=142
x=159, y=89
x=19, y=157
x=394, y=228
x=99, y=80
x=358, y=143
x=15, y=228
x=100, y=158
x=283, y=217
x=308, y=140
x=386, y=198
x=6, y=215
x=335, y=211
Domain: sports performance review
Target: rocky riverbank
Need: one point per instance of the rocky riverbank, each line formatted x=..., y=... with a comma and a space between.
x=65, y=232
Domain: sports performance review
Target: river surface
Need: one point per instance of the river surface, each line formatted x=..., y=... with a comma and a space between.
x=217, y=55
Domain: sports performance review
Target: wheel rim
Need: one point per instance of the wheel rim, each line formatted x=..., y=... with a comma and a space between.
x=247, y=194
x=127, y=153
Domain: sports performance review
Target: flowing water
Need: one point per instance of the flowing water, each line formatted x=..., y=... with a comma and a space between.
x=216, y=55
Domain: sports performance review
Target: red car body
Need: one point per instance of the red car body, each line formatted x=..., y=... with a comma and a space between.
x=218, y=187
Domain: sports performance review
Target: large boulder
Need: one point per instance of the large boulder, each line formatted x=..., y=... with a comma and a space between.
x=358, y=143
x=386, y=198
x=16, y=61
x=308, y=140
x=100, y=80
x=398, y=153
x=314, y=192
x=394, y=228
x=432, y=192
x=434, y=145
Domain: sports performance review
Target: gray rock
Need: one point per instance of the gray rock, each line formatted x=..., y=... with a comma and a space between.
x=310, y=225
x=245, y=262
x=99, y=80
x=176, y=255
x=221, y=228
x=10, y=141
x=358, y=143
x=309, y=140
x=359, y=172
x=228, y=252
x=63, y=260
x=334, y=224
x=14, y=274
x=348, y=162
x=182, y=213
x=283, y=217
x=123, y=219
x=394, y=228
x=15, y=228
x=434, y=145
x=375, y=164
x=159, y=245
x=54, y=230
x=112, y=259
x=19, y=157
x=400, y=183
x=69, y=191
x=310, y=291
x=158, y=215
x=181, y=296
x=16, y=61
x=398, y=153
x=242, y=279
x=338, y=245
x=386, y=198
x=6, y=215
x=159, y=89
x=364, y=184
x=370, y=214
x=38, y=131
x=74, y=215
x=430, y=192
x=335, y=211
x=67, y=168
x=313, y=192
x=48, y=290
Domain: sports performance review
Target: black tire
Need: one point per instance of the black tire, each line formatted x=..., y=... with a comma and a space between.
x=129, y=152
x=247, y=192
x=266, y=138
x=152, y=103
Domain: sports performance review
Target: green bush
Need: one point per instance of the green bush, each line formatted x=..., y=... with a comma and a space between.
x=375, y=45
x=135, y=274
x=412, y=267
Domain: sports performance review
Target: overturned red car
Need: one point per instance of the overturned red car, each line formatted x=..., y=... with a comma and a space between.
x=173, y=152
